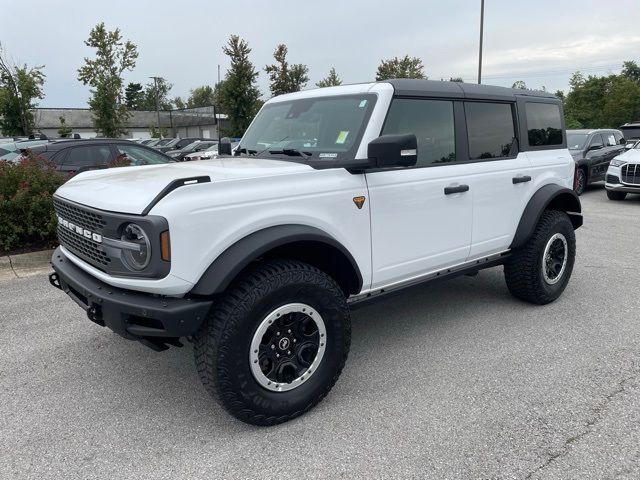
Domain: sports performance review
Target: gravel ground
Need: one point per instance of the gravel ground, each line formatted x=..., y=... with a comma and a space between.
x=450, y=380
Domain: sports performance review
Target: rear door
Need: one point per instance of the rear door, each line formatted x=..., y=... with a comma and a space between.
x=501, y=175
x=597, y=156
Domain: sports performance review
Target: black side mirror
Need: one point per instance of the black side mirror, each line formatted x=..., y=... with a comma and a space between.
x=224, y=147
x=393, y=151
x=594, y=147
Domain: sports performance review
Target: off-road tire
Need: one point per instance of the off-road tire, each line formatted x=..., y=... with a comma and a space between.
x=222, y=344
x=581, y=181
x=613, y=195
x=524, y=270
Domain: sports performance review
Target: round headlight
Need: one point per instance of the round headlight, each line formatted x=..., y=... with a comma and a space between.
x=137, y=257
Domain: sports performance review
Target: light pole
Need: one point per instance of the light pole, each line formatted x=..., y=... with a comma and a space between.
x=481, y=31
x=155, y=84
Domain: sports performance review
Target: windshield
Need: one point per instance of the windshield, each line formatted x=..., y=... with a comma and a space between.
x=322, y=128
x=576, y=141
x=164, y=142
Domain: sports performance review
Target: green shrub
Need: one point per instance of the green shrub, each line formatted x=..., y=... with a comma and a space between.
x=27, y=218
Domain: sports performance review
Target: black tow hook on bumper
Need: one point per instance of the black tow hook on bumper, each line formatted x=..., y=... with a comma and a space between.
x=156, y=321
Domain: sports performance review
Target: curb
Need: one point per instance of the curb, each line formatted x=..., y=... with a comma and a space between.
x=25, y=264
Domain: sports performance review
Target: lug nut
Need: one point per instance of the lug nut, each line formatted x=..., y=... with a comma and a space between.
x=289, y=331
x=295, y=341
x=278, y=333
x=277, y=355
x=288, y=352
x=273, y=347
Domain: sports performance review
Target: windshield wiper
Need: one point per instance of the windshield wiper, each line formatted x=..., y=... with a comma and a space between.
x=292, y=152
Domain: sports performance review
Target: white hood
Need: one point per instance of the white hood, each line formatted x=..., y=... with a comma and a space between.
x=131, y=189
x=632, y=156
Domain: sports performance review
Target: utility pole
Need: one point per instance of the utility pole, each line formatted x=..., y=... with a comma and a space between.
x=481, y=32
x=155, y=84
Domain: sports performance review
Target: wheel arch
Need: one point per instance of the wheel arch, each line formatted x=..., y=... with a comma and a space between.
x=549, y=197
x=299, y=242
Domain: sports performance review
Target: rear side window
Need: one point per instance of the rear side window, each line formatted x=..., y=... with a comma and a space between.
x=90, y=155
x=544, y=125
x=610, y=139
x=490, y=129
x=432, y=123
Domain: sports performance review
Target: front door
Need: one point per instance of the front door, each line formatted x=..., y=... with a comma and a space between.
x=421, y=217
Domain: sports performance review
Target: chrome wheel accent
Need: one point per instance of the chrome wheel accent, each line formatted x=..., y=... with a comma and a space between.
x=287, y=347
x=554, y=259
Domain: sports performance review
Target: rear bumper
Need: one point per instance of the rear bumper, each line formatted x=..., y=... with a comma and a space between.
x=134, y=315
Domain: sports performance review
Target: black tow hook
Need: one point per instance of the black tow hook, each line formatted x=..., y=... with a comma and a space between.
x=54, y=280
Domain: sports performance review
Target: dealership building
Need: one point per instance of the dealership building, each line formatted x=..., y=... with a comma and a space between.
x=191, y=122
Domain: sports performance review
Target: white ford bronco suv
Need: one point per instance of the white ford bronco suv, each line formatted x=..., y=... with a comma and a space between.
x=334, y=197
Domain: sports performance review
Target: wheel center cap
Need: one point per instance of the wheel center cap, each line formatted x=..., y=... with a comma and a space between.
x=284, y=343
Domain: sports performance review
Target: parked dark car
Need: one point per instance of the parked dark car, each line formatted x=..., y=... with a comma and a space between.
x=592, y=151
x=197, y=146
x=75, y=156
x=177, y=143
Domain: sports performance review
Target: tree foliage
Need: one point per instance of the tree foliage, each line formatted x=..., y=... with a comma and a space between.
x=20, y=88
x=104, y=75
x=64, y=130
x=519, y=84
x=285, y=78
x=456, y=79
x=603, y=102
x=201, y=97
x=331, y=80
x=134, y=96
x=238, y=93
x=406, y=67
x=160, y=88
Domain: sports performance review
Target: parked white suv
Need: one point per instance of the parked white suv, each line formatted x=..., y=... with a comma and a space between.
x=623, y=174
x=334, y=197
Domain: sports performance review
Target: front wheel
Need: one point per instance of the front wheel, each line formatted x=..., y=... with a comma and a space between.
x=581, y=181
x=613, y=195
x=275, y=343
x=539, y=271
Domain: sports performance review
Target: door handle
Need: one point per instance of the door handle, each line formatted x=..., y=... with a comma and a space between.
x=521, y=179
x=456, y=189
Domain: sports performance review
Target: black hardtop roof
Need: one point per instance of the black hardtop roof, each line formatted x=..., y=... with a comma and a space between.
x=434, y=88
x=61, y=143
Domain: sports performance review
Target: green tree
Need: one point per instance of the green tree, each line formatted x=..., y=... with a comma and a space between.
x=519, y=84
x=285, y=78
x=201, y=97
x=104, y=75
x=64, y=130
x=134, y=96
x=179, y=103
x=331, y=80
x=155, y=133
x=160, y=88
x=406, y=67
x=238, y=93
x=631, y=71
x=20, y=88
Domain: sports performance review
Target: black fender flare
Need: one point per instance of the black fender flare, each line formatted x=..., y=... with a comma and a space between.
x=238, y=256
x=550, y=196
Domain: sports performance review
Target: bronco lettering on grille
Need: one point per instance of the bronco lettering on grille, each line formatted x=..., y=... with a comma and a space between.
x=80, y=230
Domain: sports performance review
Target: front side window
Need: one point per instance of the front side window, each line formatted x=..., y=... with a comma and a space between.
x=324, y=128
x=544, y=124
x=596, y=142
x=490, y=129
x=432, y=123
x=133, y=155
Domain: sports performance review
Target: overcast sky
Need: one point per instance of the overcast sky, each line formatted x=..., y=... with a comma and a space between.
x=539, y=42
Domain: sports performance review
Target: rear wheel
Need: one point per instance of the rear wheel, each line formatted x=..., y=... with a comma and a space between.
x=613, y=195
x=275, y=343
x=581, y=181
x=539, y=271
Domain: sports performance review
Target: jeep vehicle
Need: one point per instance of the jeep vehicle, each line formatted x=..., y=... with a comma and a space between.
x=593, y=150
x=334, y=197
x=623, y=175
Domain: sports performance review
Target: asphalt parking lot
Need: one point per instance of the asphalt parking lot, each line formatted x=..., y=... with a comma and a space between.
x=451, y=380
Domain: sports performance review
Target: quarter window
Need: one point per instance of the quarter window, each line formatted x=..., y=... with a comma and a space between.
x=544, y=124
x=490, y=129
x=432, y=123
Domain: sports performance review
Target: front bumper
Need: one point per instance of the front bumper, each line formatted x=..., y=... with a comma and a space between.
x=153, y=319
x=622, y=188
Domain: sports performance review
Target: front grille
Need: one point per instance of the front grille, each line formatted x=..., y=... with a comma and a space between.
x=89, y=220
x=631, y=173
x=79, y=245
x=83, y=247
x=612, y=179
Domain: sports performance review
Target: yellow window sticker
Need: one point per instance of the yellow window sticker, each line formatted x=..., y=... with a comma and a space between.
x=342, y=136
